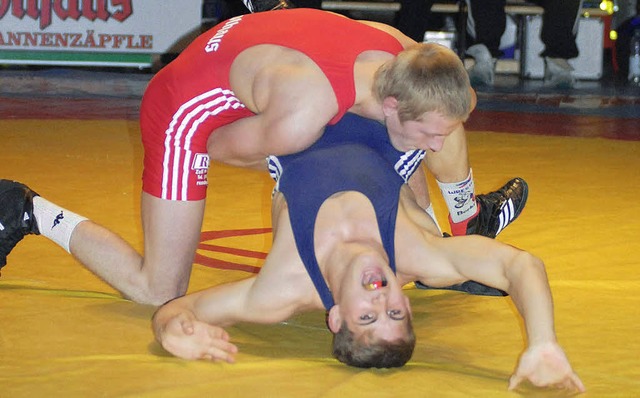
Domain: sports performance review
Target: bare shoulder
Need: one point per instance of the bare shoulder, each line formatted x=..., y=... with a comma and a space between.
x=267, y=70
x=283, y=282
x=286, y=85
x=419, y=254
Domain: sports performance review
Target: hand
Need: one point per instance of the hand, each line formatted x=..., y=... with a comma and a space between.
x=188, y=338
x=546, y=365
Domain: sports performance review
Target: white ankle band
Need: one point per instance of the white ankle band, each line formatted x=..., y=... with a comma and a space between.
x=55, y=222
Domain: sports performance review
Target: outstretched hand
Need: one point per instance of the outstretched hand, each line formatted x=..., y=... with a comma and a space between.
x=188, y=338
x=546, y=365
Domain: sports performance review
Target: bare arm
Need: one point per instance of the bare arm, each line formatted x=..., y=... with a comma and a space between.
x=523, y=276
x=191, y=327
x=248, y=141
x=292, y=105
x=441, y=262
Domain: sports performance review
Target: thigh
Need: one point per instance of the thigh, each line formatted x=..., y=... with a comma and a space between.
x=171, y=233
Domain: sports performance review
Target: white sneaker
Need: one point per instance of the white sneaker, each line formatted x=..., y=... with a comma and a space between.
x=558, y=73
x=482, y=72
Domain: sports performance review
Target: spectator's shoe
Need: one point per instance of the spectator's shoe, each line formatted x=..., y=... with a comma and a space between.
x=266, y=5
x=558, y=73
x=482, y=72
x=16, y=216
x=499, y=209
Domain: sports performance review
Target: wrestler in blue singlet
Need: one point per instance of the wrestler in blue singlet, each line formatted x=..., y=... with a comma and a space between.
x=353, y=155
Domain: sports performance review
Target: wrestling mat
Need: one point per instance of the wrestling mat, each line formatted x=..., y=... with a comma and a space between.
x=64, y=333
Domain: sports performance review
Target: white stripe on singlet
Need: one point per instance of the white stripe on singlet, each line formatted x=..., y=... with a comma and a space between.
x=187, y=119
x=275, y=170
x=405, y=166
x=408, y=163
x=275, y=167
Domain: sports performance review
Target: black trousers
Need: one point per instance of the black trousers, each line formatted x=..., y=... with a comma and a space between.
x=488, y=21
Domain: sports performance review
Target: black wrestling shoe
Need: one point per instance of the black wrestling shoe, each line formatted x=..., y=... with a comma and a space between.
x=469, y=287
x=499, y=209
x=267, y=5
x=16, y=216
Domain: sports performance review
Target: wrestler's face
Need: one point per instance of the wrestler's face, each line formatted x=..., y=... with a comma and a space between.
x=372, y=302
x=428, y=132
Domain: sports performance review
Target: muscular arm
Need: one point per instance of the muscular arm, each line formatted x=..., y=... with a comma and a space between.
x=248, y=141
x=492, y=263
x=292, y=102
x=523, y=276
x=191, y=326
x=441, y=262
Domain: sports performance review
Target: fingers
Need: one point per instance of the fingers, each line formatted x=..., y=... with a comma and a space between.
x=576, y=383
x=571, y=382
x=186, y=324
x=212, y=343
x=221, y=351
x=514, y=381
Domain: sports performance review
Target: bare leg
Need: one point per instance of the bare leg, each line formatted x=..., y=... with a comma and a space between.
x=172, y=232
x=451, y=168
x=469, y=213
x=451, y=164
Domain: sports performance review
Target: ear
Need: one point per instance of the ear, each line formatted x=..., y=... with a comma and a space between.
x=474, y=99
x=408, y=303
x=389, y=106
x=334, y=320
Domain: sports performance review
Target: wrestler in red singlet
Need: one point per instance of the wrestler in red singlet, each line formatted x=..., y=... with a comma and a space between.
x=191, y=97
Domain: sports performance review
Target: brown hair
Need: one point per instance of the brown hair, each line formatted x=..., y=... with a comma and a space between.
x=369, y=352
x=425, y=77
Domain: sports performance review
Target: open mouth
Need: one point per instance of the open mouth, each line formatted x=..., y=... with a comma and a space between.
x=373, y=279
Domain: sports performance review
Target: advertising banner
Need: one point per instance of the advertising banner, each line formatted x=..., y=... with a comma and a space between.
x=93, y=32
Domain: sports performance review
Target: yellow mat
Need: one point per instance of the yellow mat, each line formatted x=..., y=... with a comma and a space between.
x=64, y=333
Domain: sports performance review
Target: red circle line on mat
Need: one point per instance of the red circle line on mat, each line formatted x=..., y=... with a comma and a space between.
x=212, y=262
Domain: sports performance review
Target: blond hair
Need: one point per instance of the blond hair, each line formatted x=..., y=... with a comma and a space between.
x=425, y=77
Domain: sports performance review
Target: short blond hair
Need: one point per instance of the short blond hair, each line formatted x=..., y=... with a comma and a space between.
x=425, y=77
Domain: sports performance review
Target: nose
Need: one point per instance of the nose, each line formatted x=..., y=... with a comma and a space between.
x=380, y=298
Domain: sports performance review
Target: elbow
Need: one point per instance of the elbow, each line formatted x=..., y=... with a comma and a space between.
x=525, y=268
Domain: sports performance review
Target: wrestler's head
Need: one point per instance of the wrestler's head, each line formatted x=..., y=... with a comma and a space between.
x=425, y=94
x=371, y=320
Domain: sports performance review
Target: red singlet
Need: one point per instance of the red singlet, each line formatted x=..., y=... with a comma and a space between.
x=191, y=97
